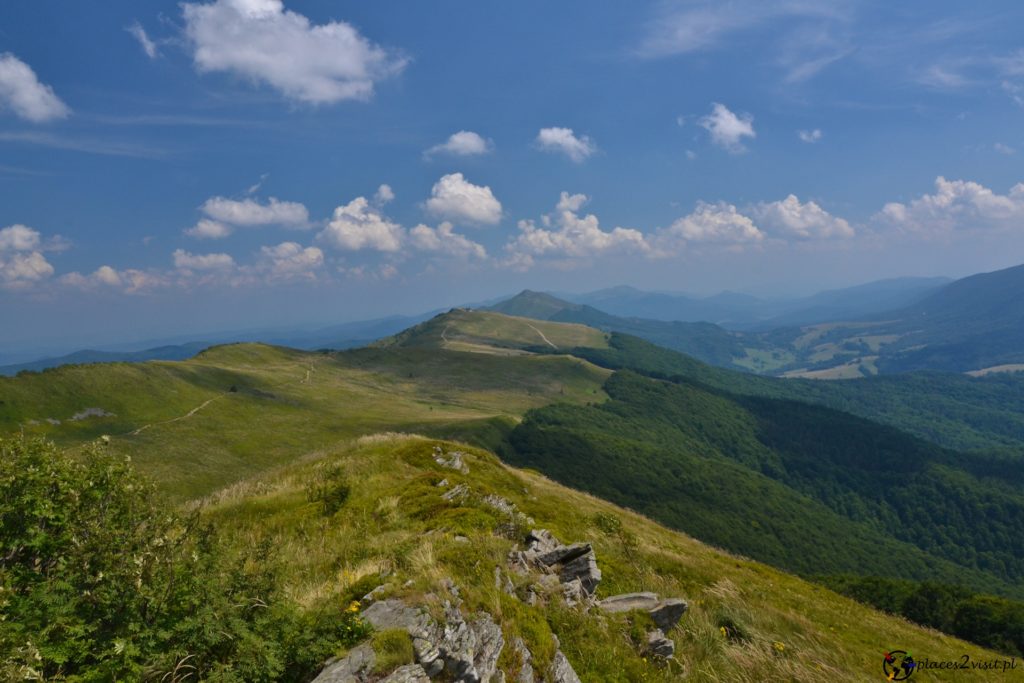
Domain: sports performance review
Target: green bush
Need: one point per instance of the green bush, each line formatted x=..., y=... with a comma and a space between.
x=100, y=581
x=328, y=486
x=392, y=648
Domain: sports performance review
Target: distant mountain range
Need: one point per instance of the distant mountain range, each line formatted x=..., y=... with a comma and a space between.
x=975, y=324
x=743, y=311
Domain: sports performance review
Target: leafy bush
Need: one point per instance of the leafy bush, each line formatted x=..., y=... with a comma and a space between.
x=100, y=581
x=328, y=486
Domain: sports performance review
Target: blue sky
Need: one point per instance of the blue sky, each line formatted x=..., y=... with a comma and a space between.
x=176, y=167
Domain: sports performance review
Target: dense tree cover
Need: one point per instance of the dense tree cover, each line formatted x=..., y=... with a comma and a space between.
x=955, y=411
x=803, y=487
x=100, y=581
x=987, y=620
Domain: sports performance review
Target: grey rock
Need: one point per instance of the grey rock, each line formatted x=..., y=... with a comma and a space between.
x=660, y=646
x=456, y=494
x=525, y=674
x=503, y=583
x=374, y=594
x=349, y=669
x=667, y=613
x=443, y=483
x=452, y=461
x=461, y=539
x=427, y=655
x=585, y=569
x=540, y=541
x=573, y=593
x=561, y=670
x=563, y=554
x=628, y=602
x=388, y=614
x=490, y=642
x=410, y=673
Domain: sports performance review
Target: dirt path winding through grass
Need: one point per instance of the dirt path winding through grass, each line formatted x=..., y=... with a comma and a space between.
x=546, y=340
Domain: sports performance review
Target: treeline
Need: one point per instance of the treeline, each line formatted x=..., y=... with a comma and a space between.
x=954, y=411
x=803, y=487
x=987, y=620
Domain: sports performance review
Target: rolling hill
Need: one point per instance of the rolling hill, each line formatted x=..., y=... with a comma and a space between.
x=239, y=432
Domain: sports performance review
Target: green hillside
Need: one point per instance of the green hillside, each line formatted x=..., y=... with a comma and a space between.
x=261, y=441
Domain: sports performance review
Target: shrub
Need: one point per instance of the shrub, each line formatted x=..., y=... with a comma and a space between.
x=328, y=486
x=101, y=581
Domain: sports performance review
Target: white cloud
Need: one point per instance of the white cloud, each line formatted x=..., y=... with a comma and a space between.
x=22, y=93
x=443, y=240
x=790, y=218
x=1004, y=149
x=147, y=45
x=456, y=199
x=465, y=143
x=104, y=275
x=249, y=212
x=19, y=238
x=957, y=205
x=810, y=135
x=727, y=129
x=719, y=223
x=567, y=236
x=563, y=140
x=944, y=77
x=187, y=261
x=261, y=41
x=384, y=195
x=357, y=225
x=19, y=270
x=290, y=260
x=21, y=260
x=209, y=230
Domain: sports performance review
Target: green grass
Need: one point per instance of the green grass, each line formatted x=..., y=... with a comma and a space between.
x=394, y=528
x=256, y=406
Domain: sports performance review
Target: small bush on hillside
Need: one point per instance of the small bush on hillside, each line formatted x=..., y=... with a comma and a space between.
x=100, y=581
x=328, y=486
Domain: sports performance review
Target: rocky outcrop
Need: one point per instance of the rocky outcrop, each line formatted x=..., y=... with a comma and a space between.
x=660, y=646
x=410, y=673
x=354, y=668
x=467, y=649
x=575, y=564
x=525, y=674
x=452, y=460
x=665, y=613
x=561, y=670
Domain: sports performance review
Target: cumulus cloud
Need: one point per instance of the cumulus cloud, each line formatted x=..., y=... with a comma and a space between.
x=23, y=269
x=21, y=260
x=249, y=212
x=790, y=218
x=719, y=223
x=223, y=215
x=22, y=93
x=102, y=276
x=209, y=230
x=456, y=199
x=957, y=205
x=187, y=261
x=384, y=195
x=566, y=235
x=290, y=260
x=465, y=143
x=358, y=225
x=261, y=41
x=727, y=129
x=147, y=45
x=810, y=135
x=444, y=240
x=19, y=238
x=564, y=141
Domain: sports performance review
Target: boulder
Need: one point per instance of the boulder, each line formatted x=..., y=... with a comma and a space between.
x=561, y=670
x=410, y=673
x=660, y=646
x=349, y=669
x=667, y=613
x=456, y=494
x=388, y=614
x=627, y=602
x=584, y=568
x=525, y=674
